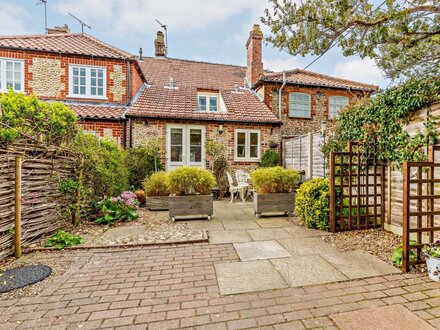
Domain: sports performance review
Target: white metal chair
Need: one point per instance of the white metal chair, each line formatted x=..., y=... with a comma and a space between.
x=235, y=189
x=243, y=179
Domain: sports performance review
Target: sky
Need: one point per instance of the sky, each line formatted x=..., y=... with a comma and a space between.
x=212, y=31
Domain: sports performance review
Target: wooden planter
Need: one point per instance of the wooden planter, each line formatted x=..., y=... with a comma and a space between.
x=157, y=203
x=279, y=203
x=200, y=205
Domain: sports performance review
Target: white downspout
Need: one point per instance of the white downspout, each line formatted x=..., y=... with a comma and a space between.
x=280, y=92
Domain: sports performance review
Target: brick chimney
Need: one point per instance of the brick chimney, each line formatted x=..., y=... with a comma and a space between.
x=254, y=55
x=59, y=29
x=159, y=45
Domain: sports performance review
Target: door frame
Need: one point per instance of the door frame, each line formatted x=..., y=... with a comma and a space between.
x=186, y=129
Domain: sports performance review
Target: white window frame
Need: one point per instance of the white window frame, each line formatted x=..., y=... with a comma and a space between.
x=310, y=106
x=88, y=94
x=3, y=84
x=208, y=97
x=247, y=158
x=330, y=98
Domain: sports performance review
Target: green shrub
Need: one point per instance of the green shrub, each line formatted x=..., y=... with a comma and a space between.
x=156, y=185
x=141, y=163
x=312, y=203
x=276, y=179
x=63, y=239
x=190, y=181
x=105, y=170
x=270, y=158
x=51, y=122
x=121, y=208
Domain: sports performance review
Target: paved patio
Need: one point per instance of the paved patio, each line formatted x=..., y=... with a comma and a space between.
x=180, y=287
x=283, y=254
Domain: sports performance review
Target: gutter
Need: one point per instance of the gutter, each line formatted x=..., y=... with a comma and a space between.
x=280, y=92
x=277, y=81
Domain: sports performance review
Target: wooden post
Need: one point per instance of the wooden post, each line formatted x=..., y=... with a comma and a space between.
x=310, y=156
x=17, y=228
x=332, y=193
x=406, y=218
x=78, y=193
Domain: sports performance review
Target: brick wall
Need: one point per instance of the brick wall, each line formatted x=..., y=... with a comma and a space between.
x=46, y=74
x=105, y=129
x=319, y=111
x=157, y=128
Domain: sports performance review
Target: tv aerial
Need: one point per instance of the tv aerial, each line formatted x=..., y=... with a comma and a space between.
x=44, y=3
x=81, y=22
x=164, y=27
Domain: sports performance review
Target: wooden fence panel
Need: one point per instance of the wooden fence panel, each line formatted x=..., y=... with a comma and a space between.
x=304, y=153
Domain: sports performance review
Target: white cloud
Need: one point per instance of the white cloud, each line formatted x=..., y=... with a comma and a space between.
x=13, y=19
x=279, y=64
x=134, y=16
x=360, y=70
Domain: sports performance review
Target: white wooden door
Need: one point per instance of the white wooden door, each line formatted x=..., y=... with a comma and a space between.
x=185, y=146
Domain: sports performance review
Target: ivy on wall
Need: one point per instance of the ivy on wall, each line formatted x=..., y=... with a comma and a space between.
x=378, y=122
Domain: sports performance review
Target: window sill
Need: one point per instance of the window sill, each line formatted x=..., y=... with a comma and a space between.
x=88, y=97
x=247, y=160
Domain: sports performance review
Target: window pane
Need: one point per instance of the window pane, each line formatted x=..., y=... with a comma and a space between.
x=241, y=151
x=253, y=151
x=213, y=103
x=176, y=144
x=176, y=153
x=241, y=145
x=336, y=104
x=202, y=103
x=254, y=138
x=241, y=138
x=82, y=90
x=93, y=90
x=100, y=91
x=299, y=105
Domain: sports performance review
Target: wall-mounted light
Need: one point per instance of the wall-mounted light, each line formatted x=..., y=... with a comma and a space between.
x=220, y=128
x=146, y=122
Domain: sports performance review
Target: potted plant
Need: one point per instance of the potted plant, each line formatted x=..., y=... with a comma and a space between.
x=274, y=190
x=190, y=189
x=432, y=256
x=156, y=191
x=219, y=165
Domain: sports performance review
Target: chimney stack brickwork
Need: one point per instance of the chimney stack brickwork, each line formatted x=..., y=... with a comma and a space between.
x=254, y=55
x=159, y=45
x=59, y=29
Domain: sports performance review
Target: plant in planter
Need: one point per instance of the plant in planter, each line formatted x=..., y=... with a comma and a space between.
x=432, y=256
x=190, y=189
x=274, y=190
x=156, y=190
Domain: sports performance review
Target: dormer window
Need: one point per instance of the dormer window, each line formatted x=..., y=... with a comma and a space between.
x=208, y=102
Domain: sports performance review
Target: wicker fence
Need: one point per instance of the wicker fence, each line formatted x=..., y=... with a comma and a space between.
x=41, y=202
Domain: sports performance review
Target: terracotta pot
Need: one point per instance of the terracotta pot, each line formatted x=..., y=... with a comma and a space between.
x=140, y=194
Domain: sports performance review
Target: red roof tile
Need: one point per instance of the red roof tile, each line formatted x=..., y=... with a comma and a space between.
x=98, y=111
x=65, y=43
x=189, y=77
x=303, y=77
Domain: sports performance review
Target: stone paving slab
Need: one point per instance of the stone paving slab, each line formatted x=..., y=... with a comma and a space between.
x=307, y=246
x=250, y=276
x=307, y=270
x=394, y=317
x=299, y=232
x=240, y=225
x=229, y=236
x=274, y=223
x=260, y=250
x=359, y=264
x=268, y=234
x=208, y=225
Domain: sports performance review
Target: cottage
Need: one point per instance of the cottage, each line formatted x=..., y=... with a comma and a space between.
x=95, y=79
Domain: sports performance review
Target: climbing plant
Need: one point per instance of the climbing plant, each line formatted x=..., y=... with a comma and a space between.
x=379, y=122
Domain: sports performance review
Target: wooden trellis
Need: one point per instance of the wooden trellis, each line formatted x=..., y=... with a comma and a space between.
x=357, y=185
x=420, y=193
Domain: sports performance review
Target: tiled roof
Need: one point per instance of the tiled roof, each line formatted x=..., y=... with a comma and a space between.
x=303, y=77
x=98, y=111
x=65, y=43
x=189, y=77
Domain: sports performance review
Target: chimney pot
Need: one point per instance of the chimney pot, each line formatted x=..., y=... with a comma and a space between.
x=254, y=55
x=59, y=29
x=159, y=45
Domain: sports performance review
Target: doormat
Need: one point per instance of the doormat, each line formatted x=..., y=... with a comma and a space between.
x=20, y=277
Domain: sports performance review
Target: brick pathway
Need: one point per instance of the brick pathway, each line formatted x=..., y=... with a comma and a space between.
x=176, y=287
